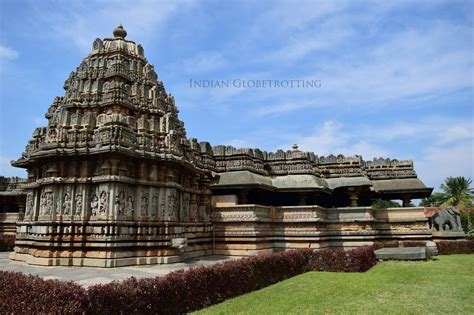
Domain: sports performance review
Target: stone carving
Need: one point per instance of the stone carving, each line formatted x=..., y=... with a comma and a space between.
x=120, y=203
x=78, y=201
x=129, y=208
x=194, y=210
x=144, y=204
x=67, y=203
x=185, y=208
x=103, y=203
x=154, y=205
x=94, y=204
x=172, y=204
x=448, y=219
x=46, y=203
x=29, y=205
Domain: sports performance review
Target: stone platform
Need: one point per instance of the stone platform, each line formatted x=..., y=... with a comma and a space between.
x=87, y=276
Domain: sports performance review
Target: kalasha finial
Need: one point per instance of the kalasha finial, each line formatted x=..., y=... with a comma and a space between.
x=120, y=32
x=295, y=147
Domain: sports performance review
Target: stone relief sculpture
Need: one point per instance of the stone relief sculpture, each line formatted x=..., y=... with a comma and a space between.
x=103, y=203
x=194, y=210
x=120, y=203
x=154, y=205
x=78, y=201
x=46, y=203
x=129, y=208
x=185, y=208
x=448, y=219
x=144, y=204
x=29, y=205
x=94, y=205
x=67, y=204
x=172, y=203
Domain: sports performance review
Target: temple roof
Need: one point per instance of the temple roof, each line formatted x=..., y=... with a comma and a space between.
x=398, y=184
x=305, y=182
x=339, y=182
x=241, y=179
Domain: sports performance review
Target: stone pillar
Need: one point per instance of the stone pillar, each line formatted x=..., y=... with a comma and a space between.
x=406, y=201
x=243, y=196
x=315, y=197
x=302, y=199
x=353, y=196
x=21, y=208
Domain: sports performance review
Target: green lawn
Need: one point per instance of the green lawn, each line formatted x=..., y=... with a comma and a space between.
x=441, y=286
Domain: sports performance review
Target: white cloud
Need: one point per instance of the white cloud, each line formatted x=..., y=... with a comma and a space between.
x=334, y=138
x=455, y=133
x=438, y=163
x=7, y=53
x=441, y=152
x=82, y=22
x=359, y=64
x=432, y=129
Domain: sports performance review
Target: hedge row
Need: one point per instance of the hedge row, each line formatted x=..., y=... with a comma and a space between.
x=27, y=294
x=465, y=246
x=178, y=292
x=7, y=242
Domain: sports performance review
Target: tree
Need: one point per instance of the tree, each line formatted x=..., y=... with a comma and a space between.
x=383, y=204
x=458, y=191
x=435, y=200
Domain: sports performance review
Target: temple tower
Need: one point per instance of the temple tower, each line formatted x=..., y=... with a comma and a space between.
x=112, y=178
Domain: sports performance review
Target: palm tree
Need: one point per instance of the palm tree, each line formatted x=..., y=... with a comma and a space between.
x=457, y=191
x=435, y=200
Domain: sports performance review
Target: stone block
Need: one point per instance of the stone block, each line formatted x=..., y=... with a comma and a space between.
x=431, y=249
x=401, y=253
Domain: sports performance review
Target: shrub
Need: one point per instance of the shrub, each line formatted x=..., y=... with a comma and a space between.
x=357, y=260
x=7, y=242
x=447, y=247
x=27, y=294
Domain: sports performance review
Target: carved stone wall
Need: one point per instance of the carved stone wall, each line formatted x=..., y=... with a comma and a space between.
x=251, y=229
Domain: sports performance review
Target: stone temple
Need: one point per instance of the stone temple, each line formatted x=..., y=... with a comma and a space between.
x=113, y=180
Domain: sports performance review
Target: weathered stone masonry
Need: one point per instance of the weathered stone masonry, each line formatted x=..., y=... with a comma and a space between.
x=113, y=180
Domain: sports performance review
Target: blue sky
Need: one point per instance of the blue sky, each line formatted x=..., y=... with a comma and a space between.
x=396, y=76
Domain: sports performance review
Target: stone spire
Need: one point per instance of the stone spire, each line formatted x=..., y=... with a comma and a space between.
x=120, y=32
x=113, y=98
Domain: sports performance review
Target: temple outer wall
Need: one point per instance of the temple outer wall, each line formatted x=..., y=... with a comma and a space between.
x=252, y=229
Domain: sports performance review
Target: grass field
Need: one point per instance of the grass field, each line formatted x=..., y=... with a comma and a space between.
x=441, y=286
